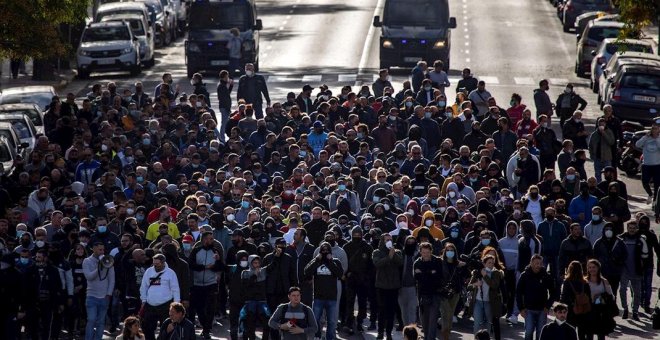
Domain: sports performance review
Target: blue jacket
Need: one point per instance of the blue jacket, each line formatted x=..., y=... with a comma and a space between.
x=553, y=233
x=317, y=141
x=580, y=205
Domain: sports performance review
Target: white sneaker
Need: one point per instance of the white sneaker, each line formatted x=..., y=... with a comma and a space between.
x=454, y=319
x=513, y=319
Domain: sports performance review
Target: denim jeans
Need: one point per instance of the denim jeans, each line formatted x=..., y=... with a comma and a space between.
x=224, y=119
x=408, y=304
x=428, y=313
x=534, y=322
x=482, y=315
x=635, y=282
x=330, y=307
x=647, y=287
x=96, y=311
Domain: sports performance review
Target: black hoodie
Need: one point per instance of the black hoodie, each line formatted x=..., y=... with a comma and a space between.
x=326, y=273
x=534, y=290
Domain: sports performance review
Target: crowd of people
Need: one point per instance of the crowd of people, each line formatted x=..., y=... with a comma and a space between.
x=410, y=205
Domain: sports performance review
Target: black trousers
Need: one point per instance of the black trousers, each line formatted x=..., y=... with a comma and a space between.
x=510, y=281
x=202, y=303
x=234, y=313
x=152, y=316
x=359, y=291
x=388, y=303
x=40, y=321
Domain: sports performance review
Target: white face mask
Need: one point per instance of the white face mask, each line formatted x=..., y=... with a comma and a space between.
x=40, y=244
x=230, y=217
x=388, y=244
x=452, y=194
x=428, y=223
x=411, y=212
x=403, y=225
x=609, y=233
x=243, y=263
x=442, y=209
x=249, y=73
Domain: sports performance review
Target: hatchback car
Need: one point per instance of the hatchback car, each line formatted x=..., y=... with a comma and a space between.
x=164, y=22
x=142, y=31
x=588, y=41
x=571, y=9
x=32, y=111
x=27, y=132
x=8, y=131
x=37, y=94
x=584, y=19
x=7, y=157
x=635, y=93
x=606, y=49
x=108, y=46
x=616, y=62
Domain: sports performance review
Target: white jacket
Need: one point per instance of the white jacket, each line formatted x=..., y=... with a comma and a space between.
x=157, y=291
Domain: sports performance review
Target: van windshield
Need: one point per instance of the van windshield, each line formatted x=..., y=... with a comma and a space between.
x=421, y=13
x=221, y=16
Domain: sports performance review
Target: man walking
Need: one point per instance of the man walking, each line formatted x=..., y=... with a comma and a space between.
x=100, y=286
x=158, y=289
x=206, y=259
x=294, y=320
x=251, y=87
x=533, y=296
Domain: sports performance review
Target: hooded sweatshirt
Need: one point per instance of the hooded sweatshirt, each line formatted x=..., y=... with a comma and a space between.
x=326, y=273
x=161, y=287
x=388, y=269
x=254, y=283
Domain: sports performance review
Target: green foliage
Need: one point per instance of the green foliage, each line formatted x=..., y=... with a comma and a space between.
x=637, y=14
x=29, y=28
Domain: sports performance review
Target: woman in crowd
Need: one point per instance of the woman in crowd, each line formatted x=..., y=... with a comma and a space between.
x=576, y=294
x=487, y=300
x=132, y=330
x=602, y=317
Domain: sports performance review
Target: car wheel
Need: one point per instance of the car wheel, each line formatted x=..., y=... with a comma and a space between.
x=83, y=74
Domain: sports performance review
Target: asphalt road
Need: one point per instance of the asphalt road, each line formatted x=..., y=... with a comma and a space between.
x=511, y=44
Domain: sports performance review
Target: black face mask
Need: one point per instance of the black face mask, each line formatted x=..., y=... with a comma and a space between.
x=613, y=194
x=332, y=242
x=534, y=195
x=235, y=242
x=410, y=248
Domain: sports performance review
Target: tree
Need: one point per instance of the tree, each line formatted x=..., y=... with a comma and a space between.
x=637, y=14
x=29, y=28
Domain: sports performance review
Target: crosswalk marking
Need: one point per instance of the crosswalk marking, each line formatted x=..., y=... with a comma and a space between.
x=312, y=78
x=558, y=81
x=283, y=79
x=342, y=78
x=489, y=80
x=523, y=80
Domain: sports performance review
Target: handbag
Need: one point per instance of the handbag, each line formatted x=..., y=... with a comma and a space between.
x=582, y=302
x=447, y=292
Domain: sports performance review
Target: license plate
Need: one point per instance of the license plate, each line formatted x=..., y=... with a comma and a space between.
x=412, y=59
x=647, y=99
x=105, y=61
x=219, y=62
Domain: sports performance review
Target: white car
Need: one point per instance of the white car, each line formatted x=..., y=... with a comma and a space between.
x=142, y=31
x=32, y=111
x=25, y=129
x=108, y=46
x=607, y=48
x=7, y=157
x=38, y=94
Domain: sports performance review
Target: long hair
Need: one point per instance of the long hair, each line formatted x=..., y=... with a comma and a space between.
x=498, y=264
x=574, y=272
x=128, y=324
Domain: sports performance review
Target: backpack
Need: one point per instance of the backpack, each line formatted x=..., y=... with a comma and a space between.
x=582, y=302
x=300, y=324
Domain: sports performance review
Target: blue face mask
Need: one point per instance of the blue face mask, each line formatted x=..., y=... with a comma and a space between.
x=450, y=254
x=485, y=242
x=19, y=234
x=102, y=229
x=441, y=103
x=303, y=153
x=187, y=246
x=428, y=114
x=146, y=141
x=24, y=260
x=341, y=187
x=570, y=177
x=454, y=234
x=376, y=199
x=207, y=179
x=216, y=199
x=434, y=201
x=245, y=204
x=140, y=179
x=139, y=218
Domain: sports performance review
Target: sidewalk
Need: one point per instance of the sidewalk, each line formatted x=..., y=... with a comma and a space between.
x=62, y=80
x=651, y=32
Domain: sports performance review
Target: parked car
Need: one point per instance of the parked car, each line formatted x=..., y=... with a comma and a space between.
x=164, y=22
x=7, y=157
x=571, y=9
x=36, y=94
x=588, y=41
x=8, y=131
x=635, y=93
x=114, y=8
x=32, y=111
x=27, y=132
x=142, y=31
x=606, y=49
x=108, y=46
x=614, y=64
x=181, y=14
x=582, y=20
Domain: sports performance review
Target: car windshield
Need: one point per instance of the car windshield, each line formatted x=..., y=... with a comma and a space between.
x=136, y=27
x=106, y=34
x=5, y=154
x=600, y=33
x=641, y=81
x=426, y=14
x=220, y=16
x=614, y=47
x=21, y=128
x=32, y=114
x=41, y=99
x=9, y=136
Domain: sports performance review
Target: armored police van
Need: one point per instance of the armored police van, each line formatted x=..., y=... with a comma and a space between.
x=209, y=25
x=414, y=30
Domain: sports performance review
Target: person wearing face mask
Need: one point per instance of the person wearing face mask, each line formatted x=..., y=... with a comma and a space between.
x=567, y=103
x=601, y=142
x=425, y=93
x=615, y=208
x=43, y=283
x=427, y=275
x=611, y=252
x=487, y=299
x=454, y=237
x=251, y=87
x=594, y=229
x=280, y=279
x=104, y=235
x=326, y=271
x=358, y=273
x=206, y=260
x=407, y=293
x=388, y=261
x=559, y=329
x=337, y=253
x=235, y=291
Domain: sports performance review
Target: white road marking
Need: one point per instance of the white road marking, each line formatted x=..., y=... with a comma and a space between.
x=364, y=59
x=489, y=79
x=312, y=78
x=283, y=79
x=558, y=81
x=523, y=80
x=344, y=78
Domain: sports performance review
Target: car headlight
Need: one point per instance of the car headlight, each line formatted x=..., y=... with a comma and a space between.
x=248, y=45
x=387, y=44
x=192, y=47
x=127, y=50
x=439, y=44
x=83, y=53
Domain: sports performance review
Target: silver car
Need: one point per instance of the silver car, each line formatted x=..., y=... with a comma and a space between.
x=7, y=157
x=606, y=49
x=142, y=31
x=26, y=131
x=38, y=94
x=614, y=64
x=588, y=41
x=32, y=111
x=108, y=46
